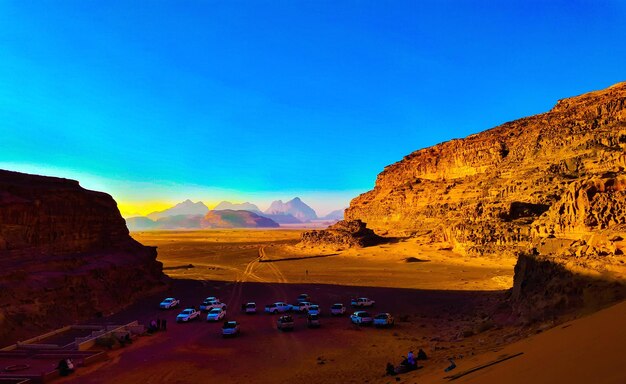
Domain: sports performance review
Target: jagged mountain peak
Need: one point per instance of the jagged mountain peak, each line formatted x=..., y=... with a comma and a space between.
x=295, y=207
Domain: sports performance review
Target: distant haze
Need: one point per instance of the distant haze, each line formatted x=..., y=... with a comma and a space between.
x=295, y=207
x=187, y=207
x=224, y=205
x=190, y=215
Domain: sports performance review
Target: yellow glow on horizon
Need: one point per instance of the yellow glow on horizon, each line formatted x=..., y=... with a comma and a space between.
x=143, y=208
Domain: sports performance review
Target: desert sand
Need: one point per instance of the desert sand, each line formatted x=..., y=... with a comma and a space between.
x=440, y=303
x=587, y=350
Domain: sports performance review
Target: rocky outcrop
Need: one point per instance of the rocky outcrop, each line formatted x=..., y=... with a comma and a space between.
x=341, y=235
x=554, y=183
x=546, y=286
x=65, y=255
x=560, y=173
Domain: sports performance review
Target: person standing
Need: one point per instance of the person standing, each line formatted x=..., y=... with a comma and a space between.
x=164, y=325
x=411, y=358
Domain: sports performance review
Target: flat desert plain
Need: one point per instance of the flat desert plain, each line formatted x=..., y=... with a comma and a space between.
x=446, y=304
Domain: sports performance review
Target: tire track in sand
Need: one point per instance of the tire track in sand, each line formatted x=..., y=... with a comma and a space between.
x=278, y=274
x=290, y=342
x=243, y=277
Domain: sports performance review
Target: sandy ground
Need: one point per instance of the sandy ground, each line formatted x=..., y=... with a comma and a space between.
x=587, y=350
x=440, y=304
x=223, y=254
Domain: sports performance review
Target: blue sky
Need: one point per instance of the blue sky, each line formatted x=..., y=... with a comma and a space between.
x=159, y=101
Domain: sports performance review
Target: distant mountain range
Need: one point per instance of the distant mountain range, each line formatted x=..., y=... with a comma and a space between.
x=190, y=215
x=334, y=215
x=213, y=219
x=224, y=205
x=278, y=217
x=140, y=223
x=295, y=207
x=187, y=207
x=282, y=218
x=236, y=219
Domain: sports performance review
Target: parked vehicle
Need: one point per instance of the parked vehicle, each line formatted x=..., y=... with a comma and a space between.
x=313, y=321
x=384, y=320
x=216, y=314
x=249, y=308
x=361, y=318
x=208, y=306
x=207, y=301
x=168, y=303
x=285, y=323
x=337, y=309
x=187, y=315
x=301, y=307
x=303, y=297
x=362, y=302
x=230, y=328
x=278, y=307
x=314, y=309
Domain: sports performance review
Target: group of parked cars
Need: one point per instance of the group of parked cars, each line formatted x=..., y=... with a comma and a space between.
x=215, y=308
x=216, y=311
x=285, y=322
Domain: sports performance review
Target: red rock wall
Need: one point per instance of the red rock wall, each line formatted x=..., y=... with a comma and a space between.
x=65, y=255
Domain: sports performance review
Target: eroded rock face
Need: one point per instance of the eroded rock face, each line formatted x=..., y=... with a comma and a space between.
x=517, y=187
x=341, y=235
x=556, y=173
x=65, y=255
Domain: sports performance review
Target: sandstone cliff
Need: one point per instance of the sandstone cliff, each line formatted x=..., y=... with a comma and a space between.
x=65, y=255
x=560, y=174
x=552, y=184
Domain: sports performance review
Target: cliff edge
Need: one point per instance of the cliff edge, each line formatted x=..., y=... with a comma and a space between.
x=551, y=187
x=65, y=255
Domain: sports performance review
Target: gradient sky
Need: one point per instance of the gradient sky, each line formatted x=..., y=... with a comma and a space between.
x=159, y=101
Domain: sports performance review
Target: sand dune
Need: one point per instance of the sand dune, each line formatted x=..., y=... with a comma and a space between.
x=586, y=350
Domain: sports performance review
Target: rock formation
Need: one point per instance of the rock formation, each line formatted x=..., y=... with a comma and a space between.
x=557, y=177
x=341, y=235
x=295, y=207
x=187, y=207
x=65, y=255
